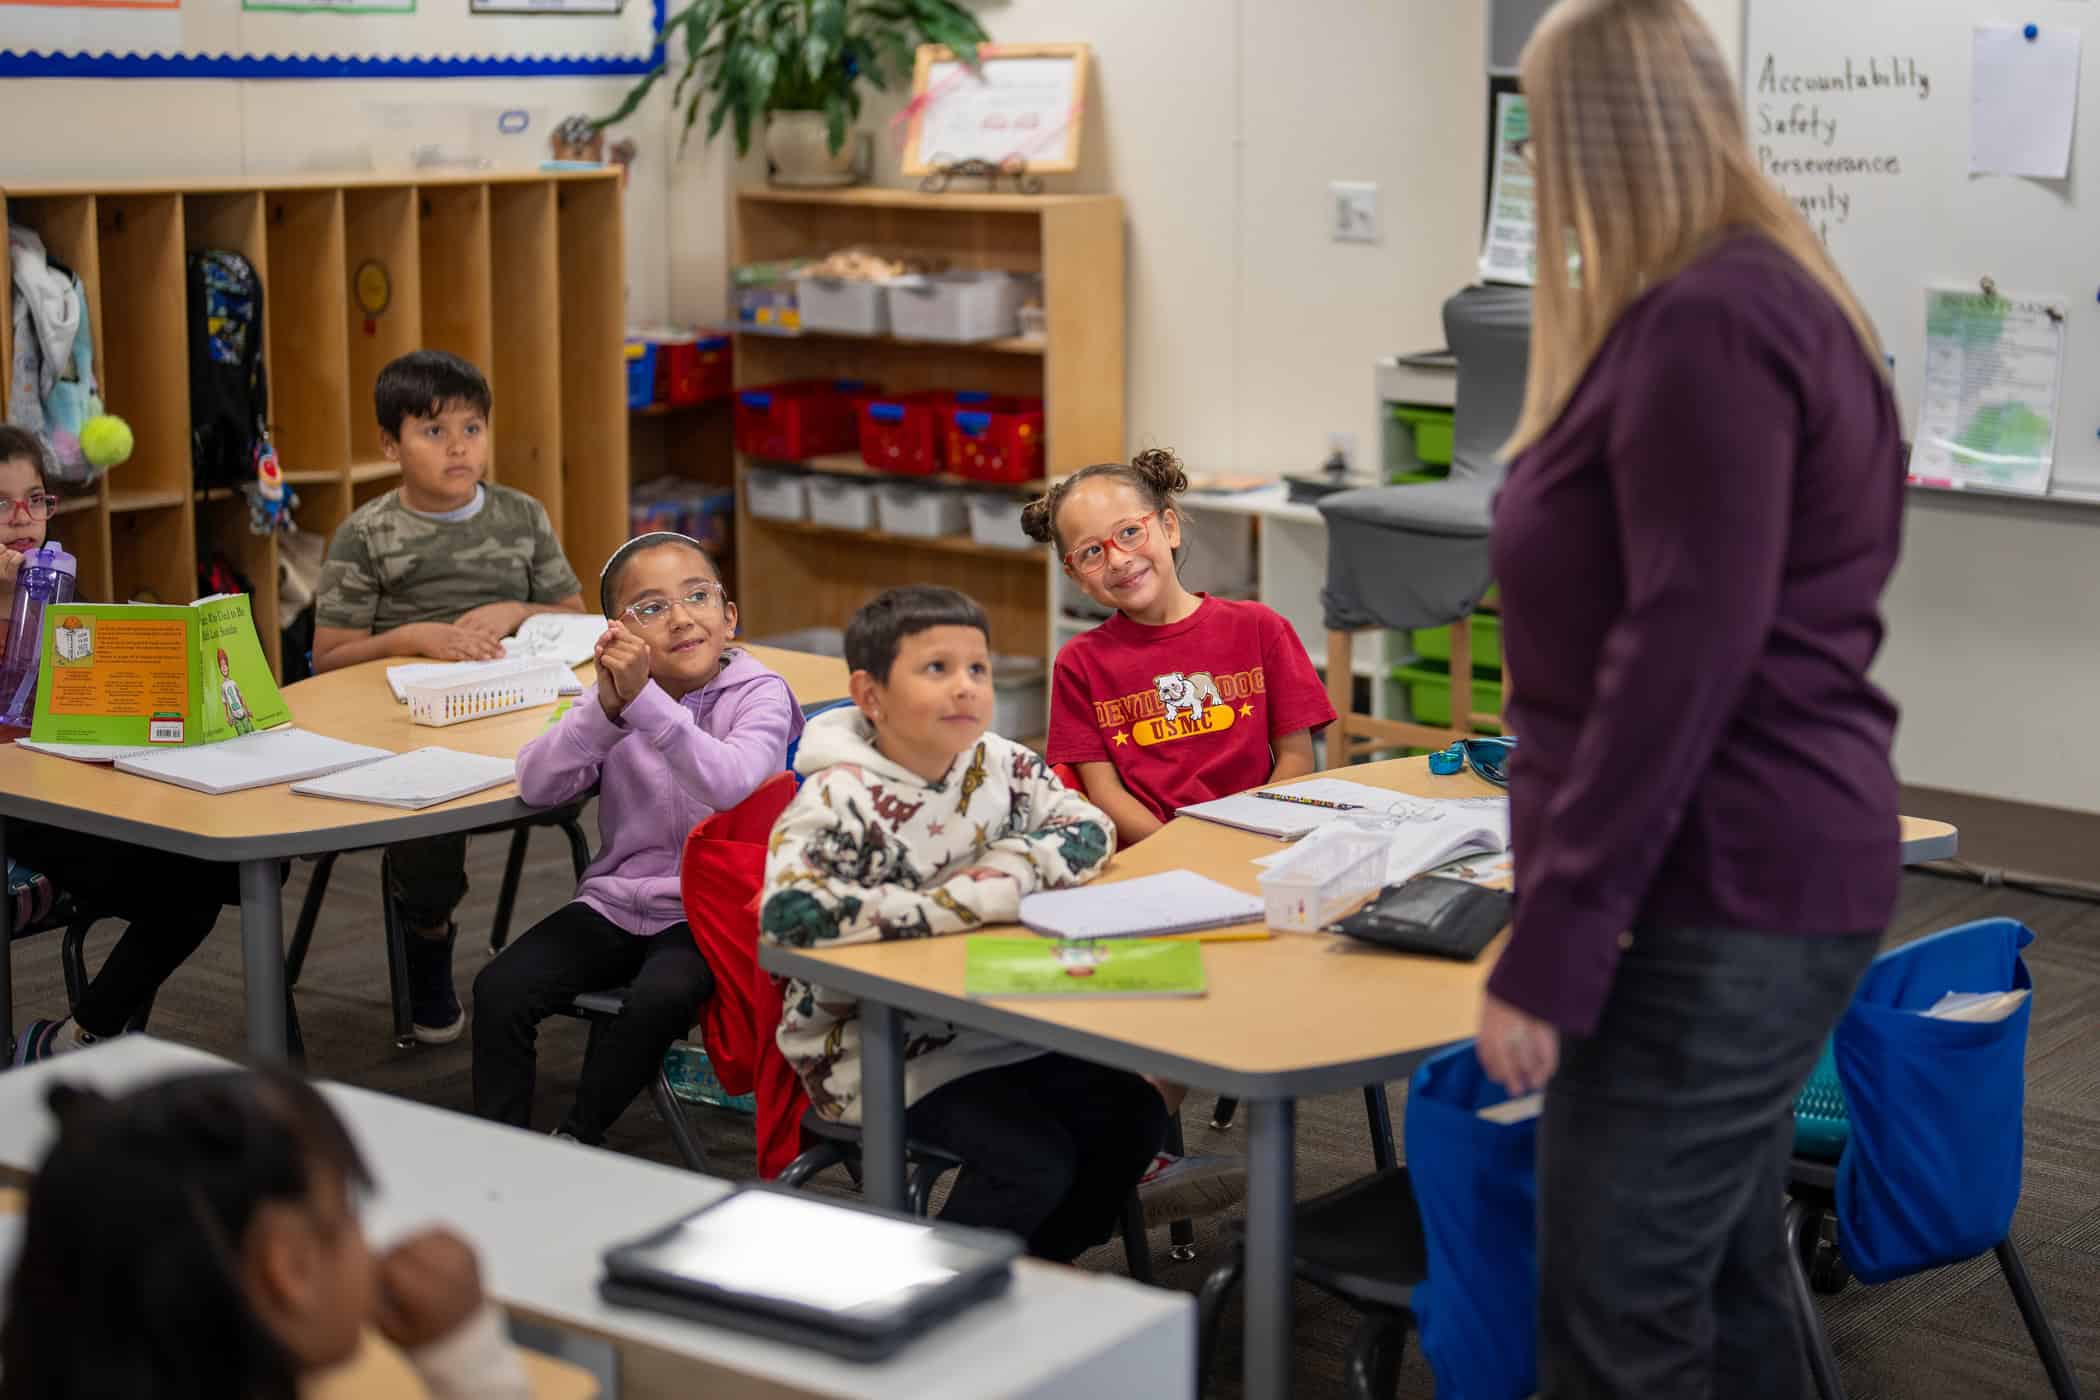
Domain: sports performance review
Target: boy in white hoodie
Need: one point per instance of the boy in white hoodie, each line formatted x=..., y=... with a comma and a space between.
x=914, y=822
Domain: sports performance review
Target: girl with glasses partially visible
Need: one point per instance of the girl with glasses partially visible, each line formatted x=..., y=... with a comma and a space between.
x=679, y=726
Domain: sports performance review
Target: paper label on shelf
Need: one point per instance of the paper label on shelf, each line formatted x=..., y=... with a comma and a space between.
x=1510, y=251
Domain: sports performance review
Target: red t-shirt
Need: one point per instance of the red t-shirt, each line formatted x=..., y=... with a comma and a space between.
x=1188, y=711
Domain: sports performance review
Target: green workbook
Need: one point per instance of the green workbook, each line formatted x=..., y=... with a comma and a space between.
x=995, y=966
x=140, y=674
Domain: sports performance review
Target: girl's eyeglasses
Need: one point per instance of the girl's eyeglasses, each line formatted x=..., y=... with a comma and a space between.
x=1128, y=537
x=1487, y=757
x=654, y=612
x=39, y=505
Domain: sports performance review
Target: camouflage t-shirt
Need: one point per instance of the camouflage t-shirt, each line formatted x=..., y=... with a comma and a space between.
x=389, y=567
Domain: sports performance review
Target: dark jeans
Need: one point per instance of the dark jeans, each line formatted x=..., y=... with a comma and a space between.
x=574, y=950
x=429, y=878
x=171, y=902
x=1662, y=1157
x=1051, y=1148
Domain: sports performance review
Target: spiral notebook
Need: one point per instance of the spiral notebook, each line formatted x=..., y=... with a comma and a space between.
x=1173, y=901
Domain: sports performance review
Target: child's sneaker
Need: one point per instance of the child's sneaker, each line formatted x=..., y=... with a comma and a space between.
x=42, y=1039
x=1189, y=1188
x=433, y=1005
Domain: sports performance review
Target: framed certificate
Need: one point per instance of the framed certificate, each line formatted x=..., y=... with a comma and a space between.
x=1024, y=104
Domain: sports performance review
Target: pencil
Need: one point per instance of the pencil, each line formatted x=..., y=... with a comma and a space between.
x=1312, y=801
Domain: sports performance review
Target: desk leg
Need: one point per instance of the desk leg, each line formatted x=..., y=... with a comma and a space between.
x=7, y=953
x=882, y=1106
x=262, y=957
x=1271, y=1128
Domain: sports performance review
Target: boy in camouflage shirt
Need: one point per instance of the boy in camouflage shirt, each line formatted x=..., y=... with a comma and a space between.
x=443, y=566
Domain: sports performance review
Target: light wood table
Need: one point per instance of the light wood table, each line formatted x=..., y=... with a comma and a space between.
x=541, y=1212
x=1282, y=1018
x=261, y=827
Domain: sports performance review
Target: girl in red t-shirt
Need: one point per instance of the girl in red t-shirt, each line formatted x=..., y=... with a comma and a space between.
x=1180, y=697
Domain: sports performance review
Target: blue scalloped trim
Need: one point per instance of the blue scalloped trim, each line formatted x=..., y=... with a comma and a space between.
x=35, y=64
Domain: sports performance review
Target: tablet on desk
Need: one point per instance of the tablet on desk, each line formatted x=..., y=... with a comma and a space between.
x=843, y=1277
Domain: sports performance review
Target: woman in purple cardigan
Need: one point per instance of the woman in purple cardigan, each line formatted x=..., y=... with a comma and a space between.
x=1704, y=504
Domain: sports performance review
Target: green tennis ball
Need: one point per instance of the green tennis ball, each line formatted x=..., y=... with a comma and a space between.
x=105, y=441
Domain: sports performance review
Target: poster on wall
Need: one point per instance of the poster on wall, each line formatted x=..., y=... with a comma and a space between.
x=1994, y=369
x=1024, y=103
x=546, y=7
x=1510, y=252
x=341, y=7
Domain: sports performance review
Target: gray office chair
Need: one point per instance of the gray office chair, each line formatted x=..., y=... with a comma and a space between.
x=1417, y=555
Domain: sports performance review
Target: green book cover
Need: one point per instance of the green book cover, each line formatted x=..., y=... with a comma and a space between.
x=147, y=673
x=995, y=966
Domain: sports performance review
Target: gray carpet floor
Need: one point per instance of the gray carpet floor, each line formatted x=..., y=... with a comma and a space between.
x=1953, y=1333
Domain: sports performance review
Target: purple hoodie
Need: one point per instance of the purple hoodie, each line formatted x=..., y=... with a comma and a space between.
x=662, y=768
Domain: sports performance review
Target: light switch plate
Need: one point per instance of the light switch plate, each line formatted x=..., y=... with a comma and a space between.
x=1352, y=211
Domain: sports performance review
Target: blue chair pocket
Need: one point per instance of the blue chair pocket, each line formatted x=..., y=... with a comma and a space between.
x=1931, y=1166
x=1476, y=1185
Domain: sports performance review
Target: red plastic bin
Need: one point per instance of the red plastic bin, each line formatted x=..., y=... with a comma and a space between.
x=693, y=371
x=800, y=418
x=903, y=432
x=998, y=439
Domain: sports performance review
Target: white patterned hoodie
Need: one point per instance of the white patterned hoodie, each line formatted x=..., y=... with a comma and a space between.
x=869, y=850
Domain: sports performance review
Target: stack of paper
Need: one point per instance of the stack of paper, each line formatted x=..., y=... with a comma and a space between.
x=420, y=778
x=1173, y=901
x=254, y=760
x=1978, y=1006
x=400, y=678
x=570, y=638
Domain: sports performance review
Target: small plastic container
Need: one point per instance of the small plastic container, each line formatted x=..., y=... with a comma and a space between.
x=962, y=307
x=999, y=439
x=1034, y=322
x=1429, y=695
x=1020, y=697
x=641, y=373
x=801, y=418
x=495, y=691
x=772, y=495
x=842, y=503
x=1324, y=879
x=842, y=305
x=916, y=510
x=692, y=1078
x=902, y=433
x=995, y=520
x=692, y=367
x=766, y=298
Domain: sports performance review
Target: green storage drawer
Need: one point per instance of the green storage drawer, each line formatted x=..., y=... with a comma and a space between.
x=1429, y=696
x=1434, y=643
x=1432, y=432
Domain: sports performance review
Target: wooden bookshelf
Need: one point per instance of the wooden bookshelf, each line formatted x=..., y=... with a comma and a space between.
x=794, y=574
x=520, y=272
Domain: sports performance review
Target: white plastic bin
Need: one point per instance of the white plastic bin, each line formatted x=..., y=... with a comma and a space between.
x=955, y=306
x=1324, y=879
x=995, y=520
x=1020, y=697
x=848, y=505
x=842, y=305
x=915, y=510
x=772, y=495
x=496, y=689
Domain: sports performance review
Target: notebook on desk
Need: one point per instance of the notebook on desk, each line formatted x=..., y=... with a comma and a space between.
x=1293, y=809
x=414, y=780
x=1173, y=901
x=265, y=759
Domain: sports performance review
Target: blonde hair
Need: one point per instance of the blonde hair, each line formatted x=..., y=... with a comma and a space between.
x=1643, y=162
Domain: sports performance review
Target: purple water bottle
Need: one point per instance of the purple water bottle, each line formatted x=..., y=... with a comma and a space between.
x=48, y=575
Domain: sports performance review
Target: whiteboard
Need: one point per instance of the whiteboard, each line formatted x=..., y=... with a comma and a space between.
x=1859, y=110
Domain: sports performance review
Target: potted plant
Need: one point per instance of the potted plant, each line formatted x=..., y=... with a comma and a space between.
x=796, y=64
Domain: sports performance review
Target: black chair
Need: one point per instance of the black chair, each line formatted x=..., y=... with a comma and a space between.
x=598, y=1009
x=1816, y=1266
x=833, y=1144
x=568, y=820
x=1377, y=1112
x=1362, y=1243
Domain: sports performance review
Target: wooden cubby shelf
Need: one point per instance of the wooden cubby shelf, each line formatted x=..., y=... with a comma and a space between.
x=792, y=575
x=520, y=272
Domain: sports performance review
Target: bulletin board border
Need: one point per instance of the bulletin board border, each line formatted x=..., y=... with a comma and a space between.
x=39, y=64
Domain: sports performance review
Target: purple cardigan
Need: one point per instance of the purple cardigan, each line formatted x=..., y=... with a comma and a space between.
x=664, y=767
x=1691, y=562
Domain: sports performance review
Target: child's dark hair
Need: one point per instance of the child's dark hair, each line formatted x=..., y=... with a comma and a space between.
x=129, y=1277
x=421, y=383
x=21, y=445
x=616, y=567
x=876, y=631
x=1156, y=473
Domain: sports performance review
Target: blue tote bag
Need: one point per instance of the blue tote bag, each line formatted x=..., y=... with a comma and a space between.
x=1476, y=1185
x=1931, y=1167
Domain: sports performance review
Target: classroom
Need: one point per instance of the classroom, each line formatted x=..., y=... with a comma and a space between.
x=990, y=698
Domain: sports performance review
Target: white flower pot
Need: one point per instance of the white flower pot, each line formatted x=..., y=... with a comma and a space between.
x=800, y=150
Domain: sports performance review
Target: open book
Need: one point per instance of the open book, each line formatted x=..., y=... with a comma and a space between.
x=136, y=674
x=569, y=638
x=1427, y=833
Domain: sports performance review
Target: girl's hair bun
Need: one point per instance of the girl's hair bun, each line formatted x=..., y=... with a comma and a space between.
x=1038, y=520
x=1161, y=470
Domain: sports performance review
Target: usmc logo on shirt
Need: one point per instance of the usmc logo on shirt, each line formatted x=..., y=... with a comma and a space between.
x=1181, y=705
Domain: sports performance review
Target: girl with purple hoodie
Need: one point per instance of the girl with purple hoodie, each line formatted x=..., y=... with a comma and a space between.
x=679, y=726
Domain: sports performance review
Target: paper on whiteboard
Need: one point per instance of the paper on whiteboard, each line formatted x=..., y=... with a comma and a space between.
x=2023, y=101
x=1993, y=375
x=569, y=638
x=1510, y=252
